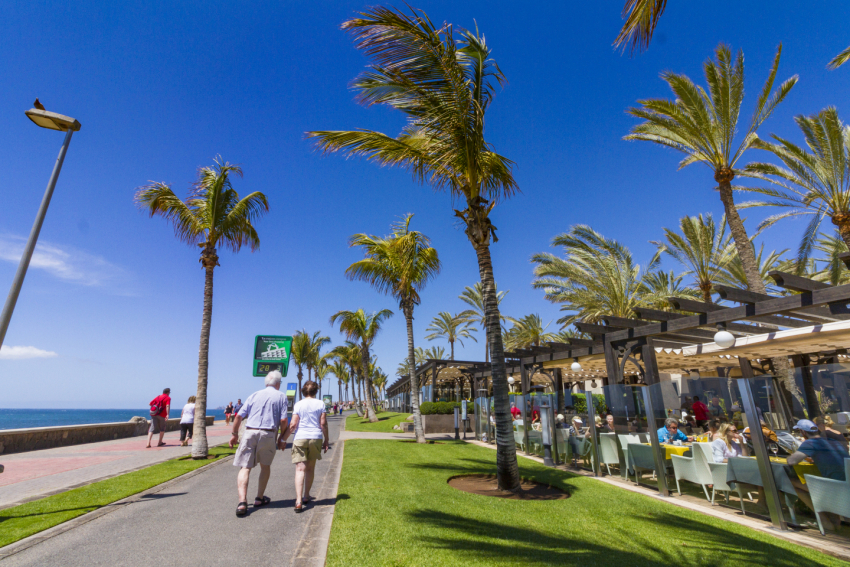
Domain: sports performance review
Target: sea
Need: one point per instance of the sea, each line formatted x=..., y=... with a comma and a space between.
x=19, y=418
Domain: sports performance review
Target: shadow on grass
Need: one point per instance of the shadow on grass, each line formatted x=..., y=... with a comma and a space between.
x=82, y=509
x=474, y=539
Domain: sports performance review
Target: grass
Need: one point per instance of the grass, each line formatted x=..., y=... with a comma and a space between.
x=385, y=423
x=394, y=508
x=27, y=519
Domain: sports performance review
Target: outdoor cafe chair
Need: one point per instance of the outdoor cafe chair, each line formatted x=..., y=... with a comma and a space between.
x=641, y=457
x=608, y=448
x=828, y=495
x=535, y=439
x=718, y=478
x=693, y=469
x=519, y=436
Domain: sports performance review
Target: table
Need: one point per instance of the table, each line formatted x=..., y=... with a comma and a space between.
x=669, y=450
x=801, y=469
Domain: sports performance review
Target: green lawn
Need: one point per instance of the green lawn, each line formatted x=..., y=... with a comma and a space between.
x=394, y=508
x=27, y=519
x=385, y=423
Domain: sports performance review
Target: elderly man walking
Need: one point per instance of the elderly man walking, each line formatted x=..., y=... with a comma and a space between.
x=264, y=412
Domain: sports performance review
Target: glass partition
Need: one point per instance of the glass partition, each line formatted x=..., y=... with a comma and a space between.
x=573, y=443
x=624, y=424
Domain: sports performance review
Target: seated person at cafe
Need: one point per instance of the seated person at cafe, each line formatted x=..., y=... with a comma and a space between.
x=729, y=444
x=825, y=424
x=516, y=413
x=609, y=424
x=715, y=409
x=766, y=432
x=828, y=455
x=670, y=432
x=713, y=428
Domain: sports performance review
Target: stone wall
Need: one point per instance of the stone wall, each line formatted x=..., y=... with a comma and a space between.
x=20, y=440
x=439, y=424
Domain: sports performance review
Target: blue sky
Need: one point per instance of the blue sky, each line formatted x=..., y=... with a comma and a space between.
x=110, y=312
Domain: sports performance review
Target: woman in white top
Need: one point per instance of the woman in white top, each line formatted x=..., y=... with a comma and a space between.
x=728, y=444
x=310, y=425
x=187, y=421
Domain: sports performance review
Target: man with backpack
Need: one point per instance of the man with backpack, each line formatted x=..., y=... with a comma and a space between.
x=160, y=406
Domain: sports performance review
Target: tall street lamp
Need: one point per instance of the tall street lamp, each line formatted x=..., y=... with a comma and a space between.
x=51, y=121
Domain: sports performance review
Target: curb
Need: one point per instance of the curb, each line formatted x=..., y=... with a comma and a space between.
x=312, y=550
x=35, y=539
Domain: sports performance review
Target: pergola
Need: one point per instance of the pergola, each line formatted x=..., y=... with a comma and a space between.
x=808, y=324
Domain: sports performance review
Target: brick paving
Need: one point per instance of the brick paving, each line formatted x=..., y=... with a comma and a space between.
x=36, y=474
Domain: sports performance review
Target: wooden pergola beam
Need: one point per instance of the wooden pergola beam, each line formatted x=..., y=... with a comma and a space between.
x=703, y=307
x=795, y=283
x=823, y=314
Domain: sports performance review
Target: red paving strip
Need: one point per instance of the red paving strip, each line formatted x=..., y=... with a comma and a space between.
x=27, y=469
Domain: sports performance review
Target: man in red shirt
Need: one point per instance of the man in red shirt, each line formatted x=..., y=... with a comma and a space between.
x=160, y=406
x=515, y=412
x=700, y=412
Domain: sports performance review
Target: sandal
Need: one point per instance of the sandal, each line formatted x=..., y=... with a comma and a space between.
x=306, y=499
x=262, y=501
x=241, y=509
x=299, y=508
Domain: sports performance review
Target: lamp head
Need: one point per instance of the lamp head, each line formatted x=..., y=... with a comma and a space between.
x=575, y=366
x=52, y=121
x=723, y=338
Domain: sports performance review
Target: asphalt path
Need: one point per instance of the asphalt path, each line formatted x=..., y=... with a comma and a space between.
x=193, y=522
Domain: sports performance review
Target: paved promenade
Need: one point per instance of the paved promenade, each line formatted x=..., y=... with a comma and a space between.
x=192, y=521
x=36, y=474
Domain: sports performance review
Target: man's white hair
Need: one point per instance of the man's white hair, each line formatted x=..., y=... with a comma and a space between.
x=273, y=378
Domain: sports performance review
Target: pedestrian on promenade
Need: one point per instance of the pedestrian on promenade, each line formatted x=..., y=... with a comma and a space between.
x=187, y=421
x=228, y=413
x=264, y=411
x=310, y=425
x=237, y=407
x=160, y=406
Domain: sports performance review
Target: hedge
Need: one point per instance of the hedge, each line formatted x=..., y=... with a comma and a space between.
x=438, y=408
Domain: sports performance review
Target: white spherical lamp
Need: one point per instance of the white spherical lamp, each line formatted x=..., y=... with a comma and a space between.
x=511, y=380
x=575, y=366
x=724, y=339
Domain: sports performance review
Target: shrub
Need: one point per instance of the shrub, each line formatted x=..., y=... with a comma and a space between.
x=438, y=408
x=580, y=403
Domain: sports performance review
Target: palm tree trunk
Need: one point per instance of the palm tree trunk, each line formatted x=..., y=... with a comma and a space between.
x=300, y=376
x=747, y=254
x=842, y=221
x=370, y=407
x=452, y=347
x=507, y=471
x=739, y=234
x=418, y=430
x=200, y=449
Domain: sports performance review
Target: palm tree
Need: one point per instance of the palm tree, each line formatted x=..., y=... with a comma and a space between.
x=701, y=248
x=301, y=352
x=358, y=325
x=317, y=341
x=400, y=264
x=528, y=331
x=702, y=125
x=434, y=353
x=212, y=217
x=453, y=328
x=340, y=369
x=596, y=277
x=660, y=285
x=444, y=81
x=840, y=59
x=349, y=354
x=814, y=182
x=323, y=368
x=641, y=18
x=474, y=297
x=733, y=275
x=835, y=273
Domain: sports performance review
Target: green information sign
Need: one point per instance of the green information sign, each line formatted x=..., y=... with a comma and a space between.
x=271, y=353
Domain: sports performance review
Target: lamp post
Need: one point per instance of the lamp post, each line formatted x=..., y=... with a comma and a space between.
x=51, y=121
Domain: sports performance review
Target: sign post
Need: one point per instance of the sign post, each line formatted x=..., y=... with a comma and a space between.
x=271, y=353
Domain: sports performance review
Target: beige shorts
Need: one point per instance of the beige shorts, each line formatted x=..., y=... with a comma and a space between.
x=307, y=450
x=257, y=446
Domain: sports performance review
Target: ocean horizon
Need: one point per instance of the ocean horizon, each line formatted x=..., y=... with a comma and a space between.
x=22, y=418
